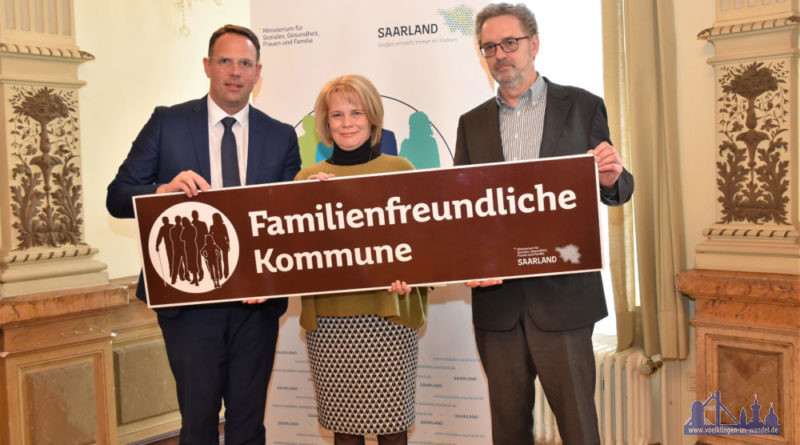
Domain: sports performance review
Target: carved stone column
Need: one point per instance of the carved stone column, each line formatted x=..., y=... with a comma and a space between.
x=747, y=284
x=79, y=361
x=755, y=65
x=42, y=243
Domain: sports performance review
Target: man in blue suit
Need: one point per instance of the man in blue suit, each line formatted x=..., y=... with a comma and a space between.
x=216, y=351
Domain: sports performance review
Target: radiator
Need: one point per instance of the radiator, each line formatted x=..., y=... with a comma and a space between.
x=622, y=396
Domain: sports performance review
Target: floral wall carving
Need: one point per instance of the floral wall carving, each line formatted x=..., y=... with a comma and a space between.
x=753, y=156
x=46, y=195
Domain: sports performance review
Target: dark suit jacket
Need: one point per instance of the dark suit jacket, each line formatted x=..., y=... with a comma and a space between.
x=176, y=139
x=574, y=121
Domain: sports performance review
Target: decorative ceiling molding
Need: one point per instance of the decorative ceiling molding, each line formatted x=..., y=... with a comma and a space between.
x=49, y=51
x=735, y=233
x=759, y=25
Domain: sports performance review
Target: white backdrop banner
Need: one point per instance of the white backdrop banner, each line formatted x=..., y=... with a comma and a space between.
x=423, y=58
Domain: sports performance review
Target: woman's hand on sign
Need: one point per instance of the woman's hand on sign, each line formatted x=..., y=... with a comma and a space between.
x=400, y=288
x=322, y=176
x=483, y=283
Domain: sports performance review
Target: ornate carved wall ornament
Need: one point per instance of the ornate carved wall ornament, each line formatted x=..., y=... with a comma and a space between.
x=42, y=243
x=45, y=191
x=753, y=164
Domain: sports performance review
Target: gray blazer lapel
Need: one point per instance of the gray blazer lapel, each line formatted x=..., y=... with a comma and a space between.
x=491, y=131
x=198, y=123
x=555, y=114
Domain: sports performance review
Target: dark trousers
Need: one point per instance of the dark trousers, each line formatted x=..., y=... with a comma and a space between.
x=564, y=362
x=221, y=353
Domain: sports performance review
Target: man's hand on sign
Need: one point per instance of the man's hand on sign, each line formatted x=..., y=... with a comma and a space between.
x=484, y=283
x=321, y=176
x=400, y=287
x=187, y=182
x=609, y=164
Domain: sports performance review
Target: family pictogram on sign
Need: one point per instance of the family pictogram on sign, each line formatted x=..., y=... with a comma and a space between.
x=192, y=247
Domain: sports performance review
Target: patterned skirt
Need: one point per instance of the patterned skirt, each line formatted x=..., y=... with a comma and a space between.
x=364, y=370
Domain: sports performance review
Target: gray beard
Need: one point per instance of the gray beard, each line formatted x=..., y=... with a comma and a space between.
x=512, y=81
x=509, y=82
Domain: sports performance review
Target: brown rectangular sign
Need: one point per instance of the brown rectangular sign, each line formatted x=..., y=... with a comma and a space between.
x=437, y=226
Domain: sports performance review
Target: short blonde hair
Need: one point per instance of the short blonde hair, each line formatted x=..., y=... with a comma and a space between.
x=355, y=90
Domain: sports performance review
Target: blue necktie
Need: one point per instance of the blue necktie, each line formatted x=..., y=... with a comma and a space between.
x=229, y=158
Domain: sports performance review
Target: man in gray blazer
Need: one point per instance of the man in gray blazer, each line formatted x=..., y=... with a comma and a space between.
x=537, y=326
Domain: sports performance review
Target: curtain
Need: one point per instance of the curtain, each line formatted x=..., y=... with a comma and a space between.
x=646, y=237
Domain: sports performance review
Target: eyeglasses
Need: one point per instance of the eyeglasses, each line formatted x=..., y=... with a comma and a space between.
x=226, y=63
x=508, y=45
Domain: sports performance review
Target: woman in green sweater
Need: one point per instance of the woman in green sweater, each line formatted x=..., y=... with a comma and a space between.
x=362, y=346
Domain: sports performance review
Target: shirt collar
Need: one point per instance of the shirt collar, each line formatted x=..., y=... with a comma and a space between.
x=533, y=94
x=216, y=114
